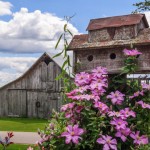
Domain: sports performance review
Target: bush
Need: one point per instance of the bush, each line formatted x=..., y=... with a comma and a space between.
x=100, y=114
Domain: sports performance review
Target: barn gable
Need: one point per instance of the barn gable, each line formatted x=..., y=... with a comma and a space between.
x=35, y=93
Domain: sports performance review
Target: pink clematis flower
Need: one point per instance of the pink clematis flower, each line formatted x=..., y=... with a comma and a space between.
x=119, y=123
x=146, y=86
x=97, y=92
x=132, y=52
x=123, y=133
x=96, y=85
x=67, y=106
x=136, y=94
x=82, y=79
x=116, y=97
x=108, y=142
x=72, y=134
x=99, y=71
x=144, y=105
x=69, y=114
x=127, y=113
x=138, y=140
x=103, y=108
x=73, y=92
x=78, y=109
x=82, y=89
x=115, y=114
x=86, y=97
x=100, y=80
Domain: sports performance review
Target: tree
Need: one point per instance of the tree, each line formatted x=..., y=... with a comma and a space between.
x=142, y=6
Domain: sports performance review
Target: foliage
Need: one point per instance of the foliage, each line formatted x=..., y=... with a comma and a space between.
x=64, y=36
x=142, y=6
x=65, y=75
x=100, y=114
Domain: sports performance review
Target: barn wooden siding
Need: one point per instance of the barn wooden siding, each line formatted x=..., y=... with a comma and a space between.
x=34, y=94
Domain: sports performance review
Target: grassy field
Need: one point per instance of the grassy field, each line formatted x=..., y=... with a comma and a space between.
x=21, y=124
x=18, y=147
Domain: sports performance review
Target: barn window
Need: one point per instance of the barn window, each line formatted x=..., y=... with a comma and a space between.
x=90, y=58
x=112, y=56
x=47, y=60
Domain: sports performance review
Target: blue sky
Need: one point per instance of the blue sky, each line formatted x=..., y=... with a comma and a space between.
x=84, y=9
x=31, y=27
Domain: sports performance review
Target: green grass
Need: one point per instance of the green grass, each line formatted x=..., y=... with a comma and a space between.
x=17, y=147
x=22, y=124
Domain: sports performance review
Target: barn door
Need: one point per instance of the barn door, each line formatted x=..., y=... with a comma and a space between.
x=37, y=104
x=32, y=99
x=17, y=103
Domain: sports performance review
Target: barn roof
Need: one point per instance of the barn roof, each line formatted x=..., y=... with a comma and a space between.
x=117, y=21
x=80, y=42
x=45, y=57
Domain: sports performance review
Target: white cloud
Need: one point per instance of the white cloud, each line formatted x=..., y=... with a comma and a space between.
x=5, y=8
x=13, y=67
x=16, y=63
x=6, y=77
x=27, y=32
x=148, y=16
x=31, y=32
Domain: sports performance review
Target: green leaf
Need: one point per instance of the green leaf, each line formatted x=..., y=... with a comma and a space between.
x=58, y=41
x=66, y=43
x=69, y=32
x=65, y=54
x=69, y=61
x=65, y=27
x=64, y=64
x=58, y=54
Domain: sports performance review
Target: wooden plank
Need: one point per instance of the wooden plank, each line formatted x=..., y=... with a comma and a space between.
x=51, y=72
x=43, y=72
x=42, y=110
x=31, y=99
x=58, y=86
x=59, y=101
x=17, y=103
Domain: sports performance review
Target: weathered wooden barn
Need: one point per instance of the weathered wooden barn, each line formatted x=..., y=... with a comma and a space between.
x=106, y=40
x=35, y=93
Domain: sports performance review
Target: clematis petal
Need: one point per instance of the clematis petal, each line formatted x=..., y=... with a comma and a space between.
x=69, y=128
x=104, y=137
x=68, y=139
x=75, y=139
x=80, y=131
x=118, y=134
x=113, y=141
x=106, y=147
x=65, y=134
x=108, y=137
x=113, y=147
x=123, y=138
x=132, y=135
x=101, y=141
x=75, y=126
